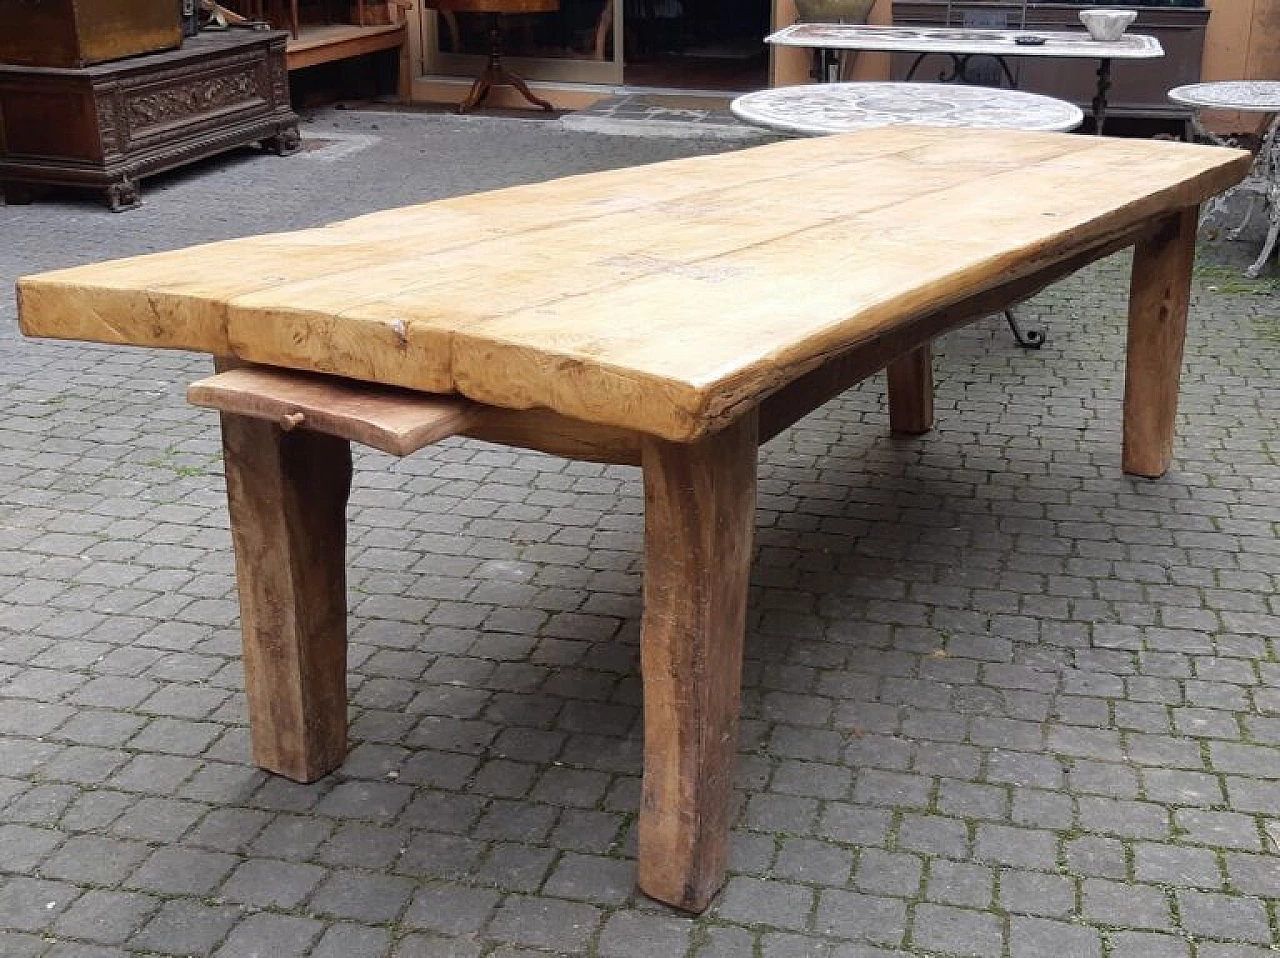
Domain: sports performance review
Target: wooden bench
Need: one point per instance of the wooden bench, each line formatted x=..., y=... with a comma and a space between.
x=672, y=316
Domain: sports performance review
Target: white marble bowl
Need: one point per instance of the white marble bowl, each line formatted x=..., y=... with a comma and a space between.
x=1107, y=25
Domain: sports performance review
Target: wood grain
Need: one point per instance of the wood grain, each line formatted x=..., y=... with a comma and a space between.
x=699, y=521
x=396, y=421
x=287, y=492
x=662, y=299
x=1158, y=298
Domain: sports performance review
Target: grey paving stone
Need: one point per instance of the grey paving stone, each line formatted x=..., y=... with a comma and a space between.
x=105, y=916
x=372, y=899
x=25, y=847
x=350, y=941
x=291, y=837
x=434, y=946
x=515, y=867
x=186, y=927
x=1037, y=893
x=813, y=862
x=631, y=933
x=1235, y=918
x=1176, y=865
x=1141, y=944
x=19, y=945
x=1022, y=847
x=605, y=881
x=31, y=904
x=888, y=873
x=94, y=860
x=960, y=883
x=264, y=882
x=263, y=934
x=1125, y=905
x=852, y=915
x=956, y=930
x=176, y=870
x=751, y=901
x=437, y=855
x=544, y=923
x=451, y=909
x=1029, y=937
x=376, y=801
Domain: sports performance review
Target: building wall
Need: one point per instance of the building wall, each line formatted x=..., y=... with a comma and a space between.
x=1242, y=43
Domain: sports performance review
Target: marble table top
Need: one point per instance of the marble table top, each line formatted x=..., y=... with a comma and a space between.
x=964, y=40
x=815, y=109
x=1257, y=96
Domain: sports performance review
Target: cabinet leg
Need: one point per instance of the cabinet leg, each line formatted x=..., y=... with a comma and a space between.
x=123, y=195
x=16, y=194
x=286, y=141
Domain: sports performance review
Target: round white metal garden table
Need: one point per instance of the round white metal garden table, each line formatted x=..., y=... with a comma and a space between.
x=820, y=108
x=1263, y=182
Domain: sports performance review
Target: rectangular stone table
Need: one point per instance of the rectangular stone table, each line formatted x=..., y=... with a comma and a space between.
x=963, y=43
x=670, y=316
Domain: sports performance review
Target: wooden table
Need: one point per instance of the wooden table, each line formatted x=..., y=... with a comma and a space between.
x=495, y=72
x=963, y=43
x=671, y=316
x=1262, y=185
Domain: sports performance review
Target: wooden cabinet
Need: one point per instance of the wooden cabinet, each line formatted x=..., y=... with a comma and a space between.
x=123, y=120
x=1139, y=87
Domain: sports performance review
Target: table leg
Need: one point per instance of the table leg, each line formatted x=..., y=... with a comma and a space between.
x=287, y=493
x=1100, y=96
x=699, y=519
x=1159, y=293
x=915, y=65
x=911, y=392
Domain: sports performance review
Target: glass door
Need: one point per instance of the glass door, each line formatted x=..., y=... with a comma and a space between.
x=579, y=42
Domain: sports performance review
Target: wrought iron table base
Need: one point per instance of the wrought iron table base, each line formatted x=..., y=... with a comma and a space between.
x=960, y=61
x=829, y=63
x=1262, y=186
x=1028, y=338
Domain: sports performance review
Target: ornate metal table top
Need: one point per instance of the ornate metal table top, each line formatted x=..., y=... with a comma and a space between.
x=1257, y=96
x=815, y=109
x=999, y=43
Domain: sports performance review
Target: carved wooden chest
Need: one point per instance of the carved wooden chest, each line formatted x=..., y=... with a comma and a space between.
x=108, y=125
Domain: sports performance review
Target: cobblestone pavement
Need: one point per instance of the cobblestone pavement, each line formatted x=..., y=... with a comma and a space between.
x=1000, y=700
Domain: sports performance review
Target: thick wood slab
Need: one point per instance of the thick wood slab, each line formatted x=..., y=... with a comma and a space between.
x=664, y=299
x=396, y=421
